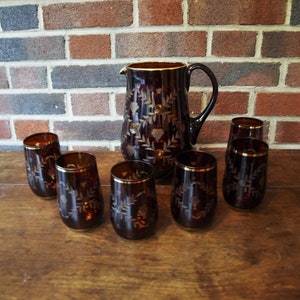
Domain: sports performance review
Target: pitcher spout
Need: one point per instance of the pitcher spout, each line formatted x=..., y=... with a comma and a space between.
x=123, y=71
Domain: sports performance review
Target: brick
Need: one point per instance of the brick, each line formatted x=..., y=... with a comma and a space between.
x=19, y=17
x=90, y=46
x=243, y=12
x=114, y=13
x=295, y=14
x=120, y=103
x=24, y=128
x=167, y=12
x=40, y=48
x=277, y=104
x=196, y=102
x=288, y=132
x=293, y=78
x=4, y=129
x=281, y=44
x=3, y=79
x=90, y=104
x=234, y=43
x=32, y=104
x=240, y=74
x=29, y=77
x=67, y=77
x=159, y=44
x=214, y=132
x=231, y=103
x=85, y=130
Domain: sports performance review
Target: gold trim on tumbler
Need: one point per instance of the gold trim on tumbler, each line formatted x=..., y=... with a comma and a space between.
x=131, y=181
x=195, y=169
x=45, y=145
x=259, y=153
x=76, y=169
x=247, y=125
x=250, y=154
x=212, y=165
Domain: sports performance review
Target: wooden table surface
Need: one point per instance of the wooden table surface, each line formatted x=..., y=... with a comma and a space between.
x=242, y=255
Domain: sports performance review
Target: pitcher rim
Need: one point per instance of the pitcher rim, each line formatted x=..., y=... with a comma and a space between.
x=155, y=65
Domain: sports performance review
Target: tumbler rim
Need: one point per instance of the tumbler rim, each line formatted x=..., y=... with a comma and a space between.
x=131, y=181
x=211, y=166
x=35, y=147
x=75, y=169
x=260, y=123
x=262, y=152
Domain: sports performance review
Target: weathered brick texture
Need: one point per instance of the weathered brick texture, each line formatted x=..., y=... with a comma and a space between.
x=91, y=14
x=293, y=75
x=241, y=74
x=60, y=63
x=90, y=104
x=228, y=103
x=64, y=77
x=120, y=103
x=234, y=43
x=40, y=48
x=295, y=15
x=161, y=44
x=23, y=128
x=288, y=132
x=19, y=17
x=4, y=129
x=29, y=77
x=90, y=46
x=281, y=44
x=32, y=104
x=232, y=103
x=167, y=12
x=214, y=132
x=3, y=79
x=243, y=12
x=88, y=130
x=278, y=104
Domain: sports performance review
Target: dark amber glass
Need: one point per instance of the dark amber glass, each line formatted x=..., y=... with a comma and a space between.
x=157, y=125
x=245, y=127
x=245, y=176
x=79, y=191
x=133, y=204
x=41, y=151
x=194, y=189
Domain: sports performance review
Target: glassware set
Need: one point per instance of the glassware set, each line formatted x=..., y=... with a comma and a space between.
x=156, y=141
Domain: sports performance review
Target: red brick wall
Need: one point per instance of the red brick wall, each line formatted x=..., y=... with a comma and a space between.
x=59, y=65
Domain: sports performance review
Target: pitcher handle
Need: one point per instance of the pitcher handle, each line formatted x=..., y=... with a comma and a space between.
x=197, y=122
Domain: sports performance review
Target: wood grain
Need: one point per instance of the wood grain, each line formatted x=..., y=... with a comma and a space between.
x=242, y=255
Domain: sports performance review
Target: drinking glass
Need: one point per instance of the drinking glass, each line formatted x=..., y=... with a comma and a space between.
x=245, y=176
x=245, y=127
x=133, y=204
x=41, y=151
x=194, y=189
x=79, y=191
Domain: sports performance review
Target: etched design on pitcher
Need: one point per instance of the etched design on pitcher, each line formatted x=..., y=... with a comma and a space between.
x=152, y=129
